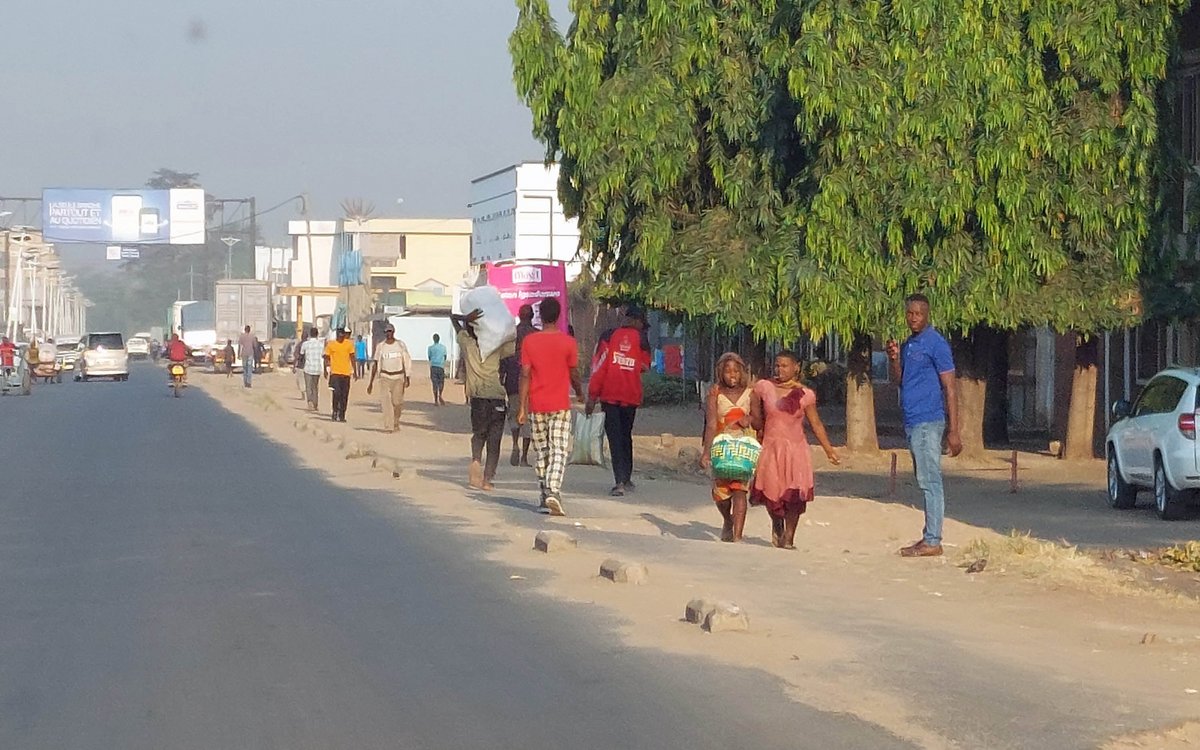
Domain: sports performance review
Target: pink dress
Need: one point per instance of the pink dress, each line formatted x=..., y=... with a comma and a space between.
x=784, y=478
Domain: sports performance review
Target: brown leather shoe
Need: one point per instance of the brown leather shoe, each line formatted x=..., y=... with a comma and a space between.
x=921, y=549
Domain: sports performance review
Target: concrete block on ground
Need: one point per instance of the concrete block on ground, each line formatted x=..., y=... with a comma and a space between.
x=666, y=440
x=554, y=541
x=727, y=617
x=620, y=571
x=698, y=610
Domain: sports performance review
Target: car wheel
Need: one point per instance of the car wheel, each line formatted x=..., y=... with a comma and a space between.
x=1168, y=501
x=1121, y=494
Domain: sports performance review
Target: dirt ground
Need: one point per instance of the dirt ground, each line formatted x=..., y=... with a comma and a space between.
x=1046, y=647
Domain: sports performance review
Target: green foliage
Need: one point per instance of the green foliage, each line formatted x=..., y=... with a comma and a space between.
x=800, y=166
x=664, y=390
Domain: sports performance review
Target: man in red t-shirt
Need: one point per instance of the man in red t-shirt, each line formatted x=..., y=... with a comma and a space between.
x=549, y=370
x=616, y=384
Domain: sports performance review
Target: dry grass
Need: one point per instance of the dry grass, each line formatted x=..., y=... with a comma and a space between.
x=1184, y=557
x=1054, y=563
x=1177, y=738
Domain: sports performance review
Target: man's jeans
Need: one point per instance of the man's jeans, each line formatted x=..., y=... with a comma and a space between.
x=247, y=370
x=925, y=443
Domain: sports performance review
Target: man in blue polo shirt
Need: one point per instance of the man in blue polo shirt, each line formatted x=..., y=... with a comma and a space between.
x=924, y=368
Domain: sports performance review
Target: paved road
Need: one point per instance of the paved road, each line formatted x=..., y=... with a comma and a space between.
x=171, y=580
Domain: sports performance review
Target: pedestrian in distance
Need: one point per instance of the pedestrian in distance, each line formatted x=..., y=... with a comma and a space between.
x=339, y=369
x=783, y=481
x=549, y=371
x=360, y=357
x=247, y=349
x=298, y=364
x=730, y=409
x=229, y=354
x=510, y=370
x=489, y=402
x=392, y=365
x=312, y=362
x=436, y=354
x=616, y=384
x=924, y=367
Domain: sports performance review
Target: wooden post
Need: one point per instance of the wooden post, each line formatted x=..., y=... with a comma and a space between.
x=1013, y=485
x=892, y=480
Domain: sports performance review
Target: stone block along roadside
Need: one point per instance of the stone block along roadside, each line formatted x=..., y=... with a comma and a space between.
x=716, y=616
x=727, y=617
x=554, y=541
x=620, y=571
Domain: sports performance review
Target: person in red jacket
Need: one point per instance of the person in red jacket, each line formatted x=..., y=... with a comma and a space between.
x=621, y=358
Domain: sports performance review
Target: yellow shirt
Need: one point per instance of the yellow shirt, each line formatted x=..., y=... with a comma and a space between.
x=341, y=357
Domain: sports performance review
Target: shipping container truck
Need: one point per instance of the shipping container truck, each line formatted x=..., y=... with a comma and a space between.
x=241, y=303
x=197, y=323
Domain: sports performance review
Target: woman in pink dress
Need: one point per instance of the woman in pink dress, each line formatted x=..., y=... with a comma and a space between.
x=783, y=481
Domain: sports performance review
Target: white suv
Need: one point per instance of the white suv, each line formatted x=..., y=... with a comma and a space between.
x=1152, y=444
x=103, y=356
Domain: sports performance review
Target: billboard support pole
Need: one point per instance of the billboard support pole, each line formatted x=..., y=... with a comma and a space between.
x=253, y=242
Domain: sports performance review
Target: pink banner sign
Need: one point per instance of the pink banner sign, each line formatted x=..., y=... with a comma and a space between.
x=530, y=285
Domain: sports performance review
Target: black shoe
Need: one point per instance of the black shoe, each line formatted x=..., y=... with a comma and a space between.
x=618, y=491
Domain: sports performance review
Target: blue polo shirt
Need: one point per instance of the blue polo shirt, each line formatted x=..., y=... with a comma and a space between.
x=437, y=355
x=923, y=357
x=360, y=350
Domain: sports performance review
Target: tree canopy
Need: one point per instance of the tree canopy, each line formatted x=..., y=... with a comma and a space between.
x=798, y=166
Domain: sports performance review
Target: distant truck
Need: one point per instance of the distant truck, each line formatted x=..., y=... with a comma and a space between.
x=197, y=324
x=241, y=303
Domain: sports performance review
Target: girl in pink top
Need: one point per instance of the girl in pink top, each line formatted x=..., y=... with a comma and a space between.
x=783, y=481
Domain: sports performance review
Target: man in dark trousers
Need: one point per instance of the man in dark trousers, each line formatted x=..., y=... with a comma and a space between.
x=489, y=401
x=617, y=385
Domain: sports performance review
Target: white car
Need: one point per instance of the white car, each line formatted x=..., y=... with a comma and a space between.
x=103, y=356
x=68, y=352
x=137, y=347
x=1152, y=444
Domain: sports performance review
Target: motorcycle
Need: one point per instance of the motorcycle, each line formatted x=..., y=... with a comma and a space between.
x=177, y=372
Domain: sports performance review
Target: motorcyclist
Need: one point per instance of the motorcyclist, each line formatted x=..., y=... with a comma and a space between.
x=177, y=353
x=8, y=354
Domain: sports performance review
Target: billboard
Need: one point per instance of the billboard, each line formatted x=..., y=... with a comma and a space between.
x=127, y=217
x=529, y=285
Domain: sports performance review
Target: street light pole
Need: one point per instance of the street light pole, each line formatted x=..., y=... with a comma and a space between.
x=312, y=276
x=229, y=243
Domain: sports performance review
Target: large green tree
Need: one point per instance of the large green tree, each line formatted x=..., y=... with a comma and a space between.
x=800, y=166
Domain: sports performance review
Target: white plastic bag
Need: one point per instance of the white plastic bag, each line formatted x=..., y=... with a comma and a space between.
x=587, y=440
x=497, y=326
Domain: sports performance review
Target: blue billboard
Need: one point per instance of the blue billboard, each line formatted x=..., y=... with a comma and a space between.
x=128, y=217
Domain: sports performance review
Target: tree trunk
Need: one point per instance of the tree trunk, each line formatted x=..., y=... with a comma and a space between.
x=995, y=414
x=861, y=435
x=1081, y=418
x=971, y=367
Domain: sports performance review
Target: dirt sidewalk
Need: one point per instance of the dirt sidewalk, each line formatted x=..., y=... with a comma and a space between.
x=1044, y=648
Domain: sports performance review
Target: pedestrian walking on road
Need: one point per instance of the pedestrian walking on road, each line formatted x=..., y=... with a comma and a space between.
x=436, y=353
x=489, y=402
x=783, y=480
x=312, y=362
x=230, y=354
x=247, y=348
x=924, y=368
x=549, y=371
x=339, y=369
x=392, y=364
x=510, y=370
x=731, y=409
x=360, y=357
x=616, y=384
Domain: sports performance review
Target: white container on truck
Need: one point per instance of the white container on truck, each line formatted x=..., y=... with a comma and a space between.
x=241, y=303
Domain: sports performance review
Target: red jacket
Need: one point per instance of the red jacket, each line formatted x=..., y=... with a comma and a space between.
x=619, y=364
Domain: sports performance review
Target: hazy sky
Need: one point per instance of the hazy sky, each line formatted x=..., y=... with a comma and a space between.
x=381, y=99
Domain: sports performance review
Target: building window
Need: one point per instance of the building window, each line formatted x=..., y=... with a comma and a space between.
x=383, y=283
x=384, y=250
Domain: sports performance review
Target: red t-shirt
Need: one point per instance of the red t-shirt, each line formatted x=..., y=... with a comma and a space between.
x=550, y=357
x=7, y=354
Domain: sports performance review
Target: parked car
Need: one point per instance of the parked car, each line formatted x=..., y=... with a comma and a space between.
x=1152, y=444
x=137, y=347
x=103, y=356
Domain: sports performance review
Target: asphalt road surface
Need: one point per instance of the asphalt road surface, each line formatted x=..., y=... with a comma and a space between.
x=170, y=580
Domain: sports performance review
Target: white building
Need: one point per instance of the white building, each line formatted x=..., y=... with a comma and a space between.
x=516, y=215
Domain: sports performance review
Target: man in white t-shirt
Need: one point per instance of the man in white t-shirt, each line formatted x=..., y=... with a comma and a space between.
x=312, y=355
x=392, y=364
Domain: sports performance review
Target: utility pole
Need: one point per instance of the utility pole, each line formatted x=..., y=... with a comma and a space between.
x=229, y=243
x=253, y=241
